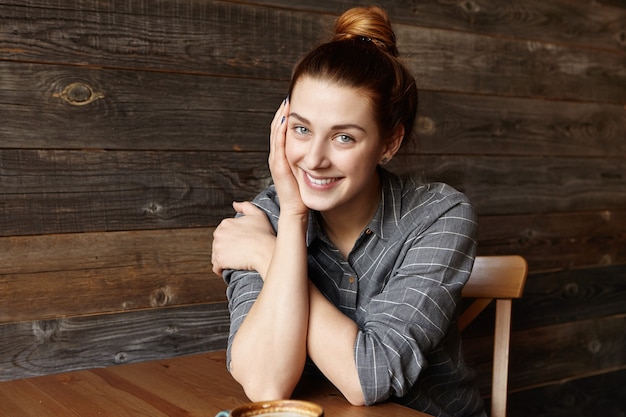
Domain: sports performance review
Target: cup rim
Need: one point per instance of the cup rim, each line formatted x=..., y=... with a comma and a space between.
x=258, y=408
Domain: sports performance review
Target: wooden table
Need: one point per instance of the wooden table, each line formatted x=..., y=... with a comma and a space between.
x=196, y=386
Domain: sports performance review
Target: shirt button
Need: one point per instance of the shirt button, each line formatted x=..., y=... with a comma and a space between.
x=368, y=231
x=351, y=280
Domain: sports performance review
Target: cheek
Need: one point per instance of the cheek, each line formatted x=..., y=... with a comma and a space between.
x=289, y=149
x=292, y=150
x=368, y=158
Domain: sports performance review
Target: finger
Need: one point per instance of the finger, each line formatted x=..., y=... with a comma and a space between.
x=217, y=270
x=214, y=264
x=247, y=208
x=279, y=132
x=279, y=116
x=237, y=206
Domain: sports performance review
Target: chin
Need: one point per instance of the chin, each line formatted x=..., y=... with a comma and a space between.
x=317, y=207
x=318, y=204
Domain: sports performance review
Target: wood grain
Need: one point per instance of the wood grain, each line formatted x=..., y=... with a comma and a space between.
x=508, y=185
x=596, y=25
x=246, y=44
x=211, y=113
x=194, y=386
x=84, y=191
x=525, y=69
x=21, y=398
x=454, y=124
x=558, y=240
x=143, y=110
x=77, y=191
x=547, y=355
x=571, y=295
x=595, y=395
x=208, y=37
x=43, y=347
x=561, y=297
x=53, y=276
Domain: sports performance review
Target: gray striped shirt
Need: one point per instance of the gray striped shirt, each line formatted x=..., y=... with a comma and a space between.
x=402, y=285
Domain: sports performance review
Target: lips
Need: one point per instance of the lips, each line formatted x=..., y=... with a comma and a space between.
x=319, y=183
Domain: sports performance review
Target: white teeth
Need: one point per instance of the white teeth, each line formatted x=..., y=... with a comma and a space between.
x=320, y=181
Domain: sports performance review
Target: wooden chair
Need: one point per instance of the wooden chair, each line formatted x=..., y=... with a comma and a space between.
x=501, y=278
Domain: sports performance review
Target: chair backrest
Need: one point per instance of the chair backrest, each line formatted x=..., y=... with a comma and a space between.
x=501, y=278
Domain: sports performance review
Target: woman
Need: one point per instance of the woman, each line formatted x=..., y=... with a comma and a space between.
x=341, y=262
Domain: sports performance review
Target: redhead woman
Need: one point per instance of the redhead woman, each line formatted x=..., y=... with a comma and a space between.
x=341, y=263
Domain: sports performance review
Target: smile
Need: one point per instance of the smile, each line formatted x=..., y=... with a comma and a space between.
x=319, y=182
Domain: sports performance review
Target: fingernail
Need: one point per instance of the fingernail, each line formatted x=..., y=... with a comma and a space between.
x=282, y=120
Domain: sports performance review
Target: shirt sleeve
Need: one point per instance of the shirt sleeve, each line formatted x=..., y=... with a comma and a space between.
x=242, y=291
x=412, y=314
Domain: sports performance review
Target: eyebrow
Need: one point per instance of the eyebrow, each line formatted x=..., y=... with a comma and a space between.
x=335, y=127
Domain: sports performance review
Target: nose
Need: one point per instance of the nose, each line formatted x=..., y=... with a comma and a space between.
x=317, y=154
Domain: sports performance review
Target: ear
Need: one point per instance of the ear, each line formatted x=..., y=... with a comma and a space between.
x=392, y=144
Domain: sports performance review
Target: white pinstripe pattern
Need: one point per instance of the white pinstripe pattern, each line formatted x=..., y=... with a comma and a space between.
x=410, y=271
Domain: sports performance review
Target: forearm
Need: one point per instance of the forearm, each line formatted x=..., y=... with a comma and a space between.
x=330, y=345
x=262, y=254
x=269, y=349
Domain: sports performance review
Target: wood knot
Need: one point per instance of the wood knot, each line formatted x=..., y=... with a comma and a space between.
x=171, y=330
x=425, y=125
x=44, y=330
x=605, y=259
x=594, y=346
x=120, y=357
x=605, y=215
x=79, y=94
x=153, y=209
x=470, y=7
x=161, y=297
x=571, y=290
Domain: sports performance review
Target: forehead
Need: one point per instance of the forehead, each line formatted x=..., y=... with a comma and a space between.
x=326, y=102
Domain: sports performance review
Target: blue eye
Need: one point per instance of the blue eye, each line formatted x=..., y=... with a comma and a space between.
x=344, y=139
x=301, y=130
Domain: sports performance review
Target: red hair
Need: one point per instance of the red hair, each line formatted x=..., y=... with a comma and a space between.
x=363, y=54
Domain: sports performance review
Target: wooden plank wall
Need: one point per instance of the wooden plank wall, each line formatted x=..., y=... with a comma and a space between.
x=127, y=128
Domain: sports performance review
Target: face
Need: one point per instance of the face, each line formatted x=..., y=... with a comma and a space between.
x=333, y=147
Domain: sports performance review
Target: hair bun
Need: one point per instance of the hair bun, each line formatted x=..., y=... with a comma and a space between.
x=368, y=24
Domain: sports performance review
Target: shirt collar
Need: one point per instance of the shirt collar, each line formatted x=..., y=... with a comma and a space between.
x=387, y=217
x=314, y=230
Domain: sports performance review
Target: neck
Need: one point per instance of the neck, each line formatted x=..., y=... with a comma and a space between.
x=344, y=225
